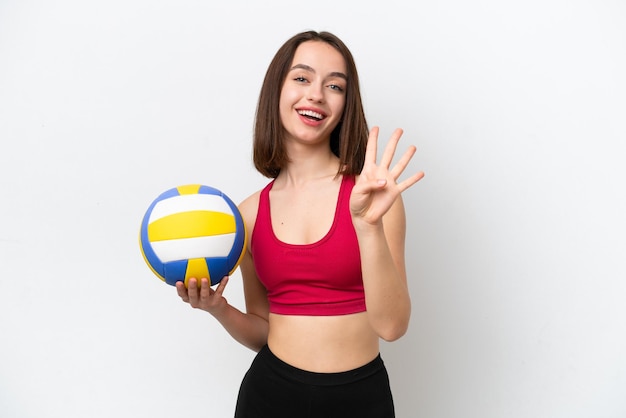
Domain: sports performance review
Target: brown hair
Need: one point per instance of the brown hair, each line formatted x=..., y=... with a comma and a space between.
x=349, y=138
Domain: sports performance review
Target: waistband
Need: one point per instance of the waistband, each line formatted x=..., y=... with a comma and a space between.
x=290, y=372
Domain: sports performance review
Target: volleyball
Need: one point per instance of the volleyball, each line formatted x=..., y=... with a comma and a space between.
x=192, y=231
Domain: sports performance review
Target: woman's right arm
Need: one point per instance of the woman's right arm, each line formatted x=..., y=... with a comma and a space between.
x=249, y=328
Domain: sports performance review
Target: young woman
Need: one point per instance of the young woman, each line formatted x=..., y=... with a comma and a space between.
x=324, y=274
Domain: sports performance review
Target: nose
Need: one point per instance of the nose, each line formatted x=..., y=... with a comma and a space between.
x=315, y=93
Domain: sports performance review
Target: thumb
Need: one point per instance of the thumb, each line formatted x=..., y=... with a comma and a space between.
x=221, y=286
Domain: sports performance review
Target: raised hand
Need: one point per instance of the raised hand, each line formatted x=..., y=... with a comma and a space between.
x=377, y=187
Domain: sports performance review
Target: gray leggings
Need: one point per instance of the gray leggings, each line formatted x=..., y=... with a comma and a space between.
x=274, y=389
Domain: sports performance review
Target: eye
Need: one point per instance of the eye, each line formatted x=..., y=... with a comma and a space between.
x=336, y=87
x=300, y=79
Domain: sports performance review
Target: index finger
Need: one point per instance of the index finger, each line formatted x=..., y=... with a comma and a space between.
x=372, y=143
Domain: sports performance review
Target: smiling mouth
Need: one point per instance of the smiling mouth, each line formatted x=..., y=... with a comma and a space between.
x=309, y=114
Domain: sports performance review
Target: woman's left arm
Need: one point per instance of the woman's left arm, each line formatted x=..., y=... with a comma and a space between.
x=384, y=273
x=380, y=222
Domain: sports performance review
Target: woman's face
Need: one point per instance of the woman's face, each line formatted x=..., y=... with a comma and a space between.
x=314, y=93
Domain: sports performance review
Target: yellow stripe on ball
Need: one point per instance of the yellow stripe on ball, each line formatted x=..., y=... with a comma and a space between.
x=197, y=268
x=192, y=224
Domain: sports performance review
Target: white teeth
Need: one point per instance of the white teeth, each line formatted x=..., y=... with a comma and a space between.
x=311, y=113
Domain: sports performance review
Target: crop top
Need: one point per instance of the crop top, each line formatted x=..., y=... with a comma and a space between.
x=318, y=279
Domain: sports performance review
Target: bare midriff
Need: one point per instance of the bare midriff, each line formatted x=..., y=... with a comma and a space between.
x=323, y=344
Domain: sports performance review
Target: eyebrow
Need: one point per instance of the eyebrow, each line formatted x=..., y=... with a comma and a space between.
x=311, y=69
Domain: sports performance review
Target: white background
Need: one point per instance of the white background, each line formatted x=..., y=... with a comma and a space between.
x=516, y=248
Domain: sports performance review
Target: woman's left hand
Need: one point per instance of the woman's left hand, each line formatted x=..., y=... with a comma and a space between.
x=377, y=187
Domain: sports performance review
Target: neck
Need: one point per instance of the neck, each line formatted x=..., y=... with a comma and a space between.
x=301, y=169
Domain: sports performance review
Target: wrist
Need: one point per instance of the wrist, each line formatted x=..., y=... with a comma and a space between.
x=363, y=226
x=218, y=310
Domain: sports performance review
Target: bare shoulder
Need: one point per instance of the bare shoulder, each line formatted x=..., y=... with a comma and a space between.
x=248, y=209
x=250, y=204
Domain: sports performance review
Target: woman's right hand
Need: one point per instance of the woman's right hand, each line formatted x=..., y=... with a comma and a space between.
x=203, y=296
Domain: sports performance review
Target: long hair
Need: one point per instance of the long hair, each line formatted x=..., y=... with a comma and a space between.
x=349, y=138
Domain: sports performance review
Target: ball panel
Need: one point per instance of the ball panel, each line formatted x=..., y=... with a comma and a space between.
x=241, y=239
x=190, y=225
x=210, y=190
x=174, y=271
x=219, y=268
x=151, y=259
x=147, y=251
x=239, y=246
x=238, y=249
x=198, y=268
x=187, y=203
x=199, y=247
x=189, y=189
x=166, y=195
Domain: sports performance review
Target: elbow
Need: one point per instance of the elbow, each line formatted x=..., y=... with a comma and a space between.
x=255, y=347
x=394, y=331
x=392, y=328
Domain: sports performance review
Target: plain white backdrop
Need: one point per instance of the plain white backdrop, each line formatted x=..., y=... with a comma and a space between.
x=516, y=237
